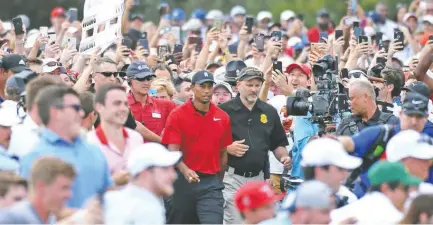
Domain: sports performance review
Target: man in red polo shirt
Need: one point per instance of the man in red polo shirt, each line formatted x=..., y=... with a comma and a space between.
x=202, y=132
x=323, y=25
x=146, y=109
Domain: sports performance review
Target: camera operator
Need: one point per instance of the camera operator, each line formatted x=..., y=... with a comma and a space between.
x=365, y=112
x=370, y=142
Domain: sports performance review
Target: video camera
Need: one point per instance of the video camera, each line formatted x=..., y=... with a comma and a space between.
x=323, y=104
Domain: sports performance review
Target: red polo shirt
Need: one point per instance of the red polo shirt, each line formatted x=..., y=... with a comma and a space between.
x=200, y=138
x=153, y=114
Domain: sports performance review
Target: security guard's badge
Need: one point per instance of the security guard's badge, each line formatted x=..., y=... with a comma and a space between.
x=263, y=118
x=353, y=127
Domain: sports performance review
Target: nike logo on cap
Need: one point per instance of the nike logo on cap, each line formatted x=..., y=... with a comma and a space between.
x=216, y=119
x=415, y=102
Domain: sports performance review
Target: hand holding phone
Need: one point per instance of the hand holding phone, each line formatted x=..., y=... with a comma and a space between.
x=144, y=43
x=338, y=34
x=127, y=43
x=323, y=37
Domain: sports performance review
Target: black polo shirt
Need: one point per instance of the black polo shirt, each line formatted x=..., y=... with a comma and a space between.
x=353, y=123
x=262, y=130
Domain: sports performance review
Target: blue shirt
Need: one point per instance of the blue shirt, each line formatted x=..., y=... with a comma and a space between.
x=93, y=175
x=303, y=130
x=7, y=163
x=364, y=140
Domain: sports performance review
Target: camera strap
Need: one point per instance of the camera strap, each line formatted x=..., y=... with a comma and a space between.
x=373, y=154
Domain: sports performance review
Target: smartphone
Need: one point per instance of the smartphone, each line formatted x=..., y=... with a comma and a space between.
x=144, y=43
x=300, y=17
x=175, y=30
x=344, y=73
x=217, y=23
x=357, y=31
x=430, y=37
x=73, y=14
x=338, y=34
x=43, y=31
x=260, y=42
x=18, y=25
x=52, y=37
x=233, y=49
x=378, y=38
x=323, y=37
x=277, y=65
x=152, y=92
x=399, y=36
x=276, y=35
x=249, y=22
x=178, y=48
x=162, y=50
x=353, y=6
x=144, y=35
x=385, y=46
x=355, y=24
x=72, y=42
x=127, y=43
x=362, y=39
x=381, y=60
x=198, y=47
x=194, y=40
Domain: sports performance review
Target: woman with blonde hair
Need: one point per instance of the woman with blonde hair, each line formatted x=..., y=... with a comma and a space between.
x=163, y=89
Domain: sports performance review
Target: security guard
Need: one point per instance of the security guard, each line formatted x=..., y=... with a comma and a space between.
x=370, y=143
x=365, y=112
x=256, y=129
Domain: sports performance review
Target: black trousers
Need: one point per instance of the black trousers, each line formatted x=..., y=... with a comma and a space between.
x=197, y=203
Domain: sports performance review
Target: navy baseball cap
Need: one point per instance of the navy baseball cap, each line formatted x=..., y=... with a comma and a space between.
x=14, y=62
x=418, y=87
x=415, y=104
x=139, y=69
x=202, y=76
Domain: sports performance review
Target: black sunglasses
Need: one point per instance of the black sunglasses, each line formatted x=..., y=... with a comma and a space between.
x=53, y=63
x=109, y=74
x=76, y=107
x=148, y=78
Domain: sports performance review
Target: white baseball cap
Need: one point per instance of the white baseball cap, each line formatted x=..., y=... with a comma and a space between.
x=327, y=151
x=213, y=14
x=7, y=118
x=428, y=18
x=151, y=155
x=287, y=15
x=263, y=15
x=50, y=64
x=237, y=10
x=409, y=143
x=192, y=25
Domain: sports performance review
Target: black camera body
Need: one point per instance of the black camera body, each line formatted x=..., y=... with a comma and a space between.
x=329, y=99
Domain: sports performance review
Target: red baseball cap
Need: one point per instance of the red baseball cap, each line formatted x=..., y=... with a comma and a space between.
x=58, y=12
x=305, y=68
x=255, y=194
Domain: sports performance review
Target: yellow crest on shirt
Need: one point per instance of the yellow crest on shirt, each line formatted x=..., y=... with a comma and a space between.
x=263, y=118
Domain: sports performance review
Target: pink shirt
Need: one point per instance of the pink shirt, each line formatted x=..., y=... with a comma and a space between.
x=115, y=158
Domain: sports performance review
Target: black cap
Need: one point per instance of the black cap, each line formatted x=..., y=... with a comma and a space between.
x=415, y=104
x=14, y=62
x=418, y=87
x=249, y=73
x=322, y=13
x=233, y=69
x=135, y=16
x=201, y=77
x=139, y=69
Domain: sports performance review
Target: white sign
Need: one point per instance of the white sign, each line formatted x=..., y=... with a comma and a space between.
x=101, y=24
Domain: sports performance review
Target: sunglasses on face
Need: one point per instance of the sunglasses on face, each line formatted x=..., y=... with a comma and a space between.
x=52, y=64
x=76, y=107
x=109, y=74
x=149, y=78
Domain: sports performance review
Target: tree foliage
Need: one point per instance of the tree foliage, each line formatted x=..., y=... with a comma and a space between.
x=39, y=10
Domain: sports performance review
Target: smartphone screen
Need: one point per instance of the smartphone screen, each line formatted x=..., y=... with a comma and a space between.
x=198, y=48
x=344, y=73
x=353, y=6
x=178, y=48
x=362, y=39
x=277, y=35
x=277, y=65
x=323, y=37
x=72, y=42
x=144, y=43
x=162, y=50
x=378, y=38
x=249, y=22
x=381, y=60
x=18, y=25
x=399, y=36
x=355, y=24
x=260, y=42
x=73, y=13
x=127, y=43
x=52, y=37
x=217, y=23
x=233, y=49
x=338, y=34
x=357, y=31
x=44, y=31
